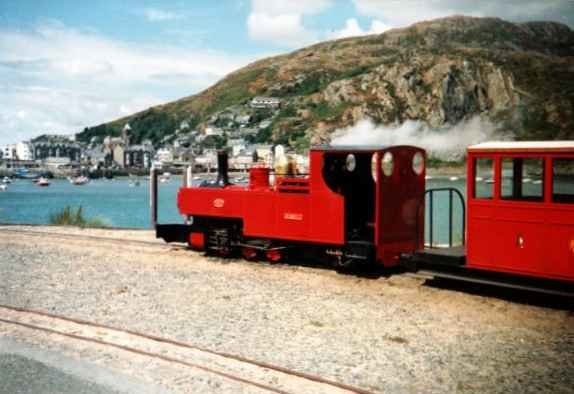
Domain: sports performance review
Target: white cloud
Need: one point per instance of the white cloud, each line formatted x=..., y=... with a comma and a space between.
x=352, y=29
x=281, y=7
x=281, y=21
x=284, y=29
x=157, y=15
x=405, y=12
x=61, y=80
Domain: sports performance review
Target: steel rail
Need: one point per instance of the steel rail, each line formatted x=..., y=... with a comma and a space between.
x=242, y=359
x=144, y=353
x=82, y=236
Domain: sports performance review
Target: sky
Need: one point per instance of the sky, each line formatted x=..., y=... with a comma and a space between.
x=68, y=64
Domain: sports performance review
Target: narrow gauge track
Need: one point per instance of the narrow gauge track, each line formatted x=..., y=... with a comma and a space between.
x=232, y=367
x=422, y=275
x=84, y=237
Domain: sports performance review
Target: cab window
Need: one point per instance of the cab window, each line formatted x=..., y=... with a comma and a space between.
x=563, y=181
x=522, y=179
x=484, y=178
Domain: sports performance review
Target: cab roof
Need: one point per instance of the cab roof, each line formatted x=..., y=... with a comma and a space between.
x=357, y=148
x=523, y=146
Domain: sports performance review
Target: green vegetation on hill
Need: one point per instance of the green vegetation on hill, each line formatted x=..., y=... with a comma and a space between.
x=442, y=71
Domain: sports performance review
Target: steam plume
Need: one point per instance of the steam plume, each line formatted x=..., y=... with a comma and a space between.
x=446, y=143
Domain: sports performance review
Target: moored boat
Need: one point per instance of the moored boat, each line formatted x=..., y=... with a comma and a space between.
x=165, y=177
x=79, y=180
x=43, y=182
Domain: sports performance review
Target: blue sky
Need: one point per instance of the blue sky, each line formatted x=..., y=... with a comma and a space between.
x=65, y=65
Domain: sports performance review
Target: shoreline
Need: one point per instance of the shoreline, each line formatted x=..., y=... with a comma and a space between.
x=435, y=171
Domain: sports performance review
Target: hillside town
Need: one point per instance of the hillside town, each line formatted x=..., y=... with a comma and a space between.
x=64, y=155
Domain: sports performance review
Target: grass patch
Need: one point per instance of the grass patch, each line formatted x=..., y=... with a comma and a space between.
x=70, y=216
x=232, y=91
x=323, y=110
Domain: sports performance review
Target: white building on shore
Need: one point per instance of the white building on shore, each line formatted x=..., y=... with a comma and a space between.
x=19, y=151
x=24, y=151
x=9, y=152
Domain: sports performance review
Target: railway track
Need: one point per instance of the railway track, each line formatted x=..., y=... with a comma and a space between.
x=421, y=275
x=240, y=370
x=122, y=241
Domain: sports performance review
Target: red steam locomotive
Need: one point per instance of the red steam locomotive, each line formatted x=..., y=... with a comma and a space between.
x=361, y=205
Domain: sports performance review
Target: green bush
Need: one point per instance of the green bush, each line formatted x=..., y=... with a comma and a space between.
x=323, y=110
x=69, y=216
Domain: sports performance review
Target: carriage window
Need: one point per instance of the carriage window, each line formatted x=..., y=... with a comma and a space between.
x=563, y=180
x=522, y=179
x=483, y=178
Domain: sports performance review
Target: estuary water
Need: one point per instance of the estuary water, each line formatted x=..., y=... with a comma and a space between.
x=119, y=204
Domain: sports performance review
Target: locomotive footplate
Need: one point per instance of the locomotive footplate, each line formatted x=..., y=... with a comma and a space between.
x=449, y=264
x=442, y=256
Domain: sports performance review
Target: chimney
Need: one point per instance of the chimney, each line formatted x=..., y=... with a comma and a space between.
x=222, y=167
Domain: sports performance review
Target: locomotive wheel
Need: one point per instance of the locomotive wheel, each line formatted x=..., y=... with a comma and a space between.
x=273, y=255
x=223, y=252
x=249, y=253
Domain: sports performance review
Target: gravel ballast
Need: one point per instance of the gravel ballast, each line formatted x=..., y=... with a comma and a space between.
x=391, y=334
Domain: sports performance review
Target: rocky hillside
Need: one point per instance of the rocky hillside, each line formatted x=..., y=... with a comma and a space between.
x=519, y=75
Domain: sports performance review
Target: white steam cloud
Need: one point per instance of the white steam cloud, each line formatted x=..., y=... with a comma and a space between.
x=446, y=143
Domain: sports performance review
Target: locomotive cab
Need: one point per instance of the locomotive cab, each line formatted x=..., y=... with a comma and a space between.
x=349, y=174
x=381, y=188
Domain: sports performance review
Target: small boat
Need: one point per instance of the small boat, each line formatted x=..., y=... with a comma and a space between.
x=165, y=177
x=43, y=182
x=79, y=180
x=6, y=180
x=3, y=187
x=23, y=173
x=428, y=177
x=135, y=183
x=453, y=178
x=489, y=181
x=537, y=182
x=526, y=180
x=479, y=179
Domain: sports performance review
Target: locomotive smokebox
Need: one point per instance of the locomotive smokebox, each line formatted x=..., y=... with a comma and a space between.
x=222, y=168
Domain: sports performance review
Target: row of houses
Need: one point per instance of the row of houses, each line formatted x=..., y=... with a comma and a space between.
x=41, y=149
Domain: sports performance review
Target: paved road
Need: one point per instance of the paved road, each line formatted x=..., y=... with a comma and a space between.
x=24, y=369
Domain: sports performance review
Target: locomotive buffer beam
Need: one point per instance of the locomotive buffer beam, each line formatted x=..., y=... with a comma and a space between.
x=173, y=232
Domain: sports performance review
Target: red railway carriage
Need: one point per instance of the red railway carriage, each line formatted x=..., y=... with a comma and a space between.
x=520, y=215
x=521, y=208
x=356, y=204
